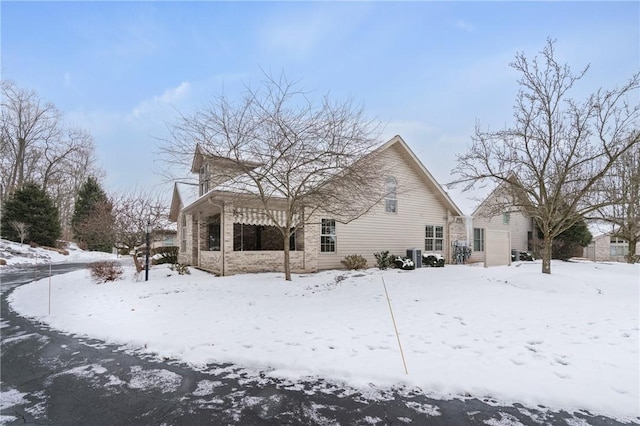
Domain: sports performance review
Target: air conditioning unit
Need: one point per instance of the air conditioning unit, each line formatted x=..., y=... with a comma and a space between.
x=415, y=254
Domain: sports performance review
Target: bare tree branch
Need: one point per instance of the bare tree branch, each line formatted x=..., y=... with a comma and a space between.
x=618, y=199
x=279, y=144
x=132, y=211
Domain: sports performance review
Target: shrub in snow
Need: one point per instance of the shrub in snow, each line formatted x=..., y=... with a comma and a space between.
x=404, y=263
x=384, y=260
x=180, y=268
x=104, y=271
x=167, y=254
x=354, y=261
x=432, y=259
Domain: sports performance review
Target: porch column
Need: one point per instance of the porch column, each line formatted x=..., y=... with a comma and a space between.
x=311, y=243
x=226, y=228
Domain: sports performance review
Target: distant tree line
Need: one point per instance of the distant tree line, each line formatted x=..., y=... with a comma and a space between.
x=38, y=147
x=50, y=182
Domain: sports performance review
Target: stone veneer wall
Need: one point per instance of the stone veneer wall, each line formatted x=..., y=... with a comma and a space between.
x=229, y=262
x=261, y=261
x=187, y=256
x=211, y=261
x=311, y=246
x=236, y=262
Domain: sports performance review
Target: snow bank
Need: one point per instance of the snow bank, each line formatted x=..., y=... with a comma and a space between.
x=16, y=254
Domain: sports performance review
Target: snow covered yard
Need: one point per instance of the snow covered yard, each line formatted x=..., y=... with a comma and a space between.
x=565, y=341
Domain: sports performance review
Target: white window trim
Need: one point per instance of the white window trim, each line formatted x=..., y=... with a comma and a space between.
x=434, y=238
x=334, y=235
x=391, y=196
x=482, y=240
x=506, y=218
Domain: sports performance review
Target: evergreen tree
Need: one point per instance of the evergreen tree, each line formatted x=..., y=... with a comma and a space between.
x=32, y=206
x=93, y=219
x=569, y=241
x=90, y=193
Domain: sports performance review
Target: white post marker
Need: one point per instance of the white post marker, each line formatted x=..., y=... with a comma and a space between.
x=395, y=327
x=49, y=289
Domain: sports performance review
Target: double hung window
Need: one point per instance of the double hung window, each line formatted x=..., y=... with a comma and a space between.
x=328, y=236
x=433, y=238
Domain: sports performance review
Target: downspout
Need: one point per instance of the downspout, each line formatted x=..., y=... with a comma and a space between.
x=222, y=222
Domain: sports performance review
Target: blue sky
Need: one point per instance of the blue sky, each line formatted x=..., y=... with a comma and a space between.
x=428, y=70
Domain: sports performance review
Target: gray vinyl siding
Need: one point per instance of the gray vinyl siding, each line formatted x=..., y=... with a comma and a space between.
x=417, y=206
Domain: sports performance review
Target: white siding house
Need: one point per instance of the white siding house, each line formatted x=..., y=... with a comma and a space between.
x=424, y=217
x=221, y=232
x=498, y=212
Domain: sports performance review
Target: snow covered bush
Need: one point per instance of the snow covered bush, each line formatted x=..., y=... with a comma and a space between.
x=180, y=268
x=354, y=261
x=404, y=263
x=384, y=260
x=104, y=271
x=168, y=254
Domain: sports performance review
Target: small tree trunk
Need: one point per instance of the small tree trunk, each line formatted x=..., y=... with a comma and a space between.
x=631, y=256
x=547, y=245
x=136, y=261
x=287, y=263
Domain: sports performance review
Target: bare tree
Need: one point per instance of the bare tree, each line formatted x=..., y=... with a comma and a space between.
x=22, y=230
x=618, y=199
x=27, y=123
x=133, y=210
x=284, y=151
x=559, y=148
x=36, y=146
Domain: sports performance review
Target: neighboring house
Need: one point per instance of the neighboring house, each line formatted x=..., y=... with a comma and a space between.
x=228, y=233
x=500, y=227
x=604, y=248
x=164, y=238
x=163, y=235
